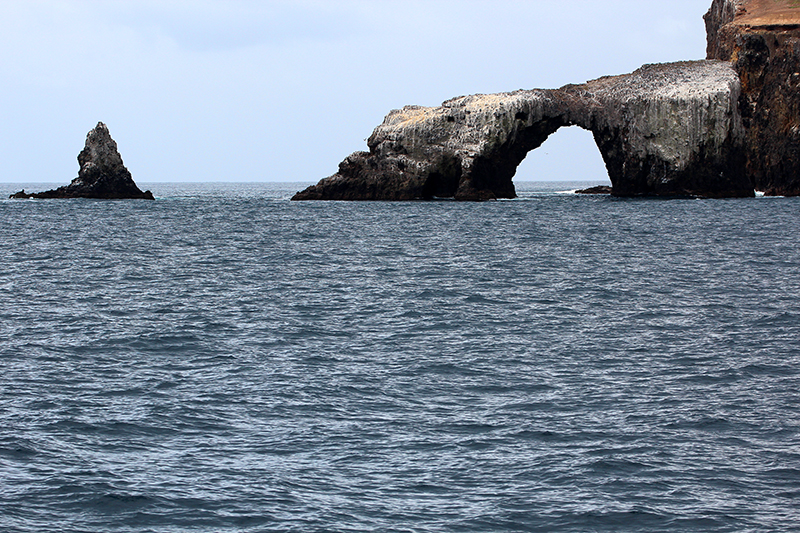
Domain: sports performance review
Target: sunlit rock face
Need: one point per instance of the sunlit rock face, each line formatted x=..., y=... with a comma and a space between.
x=761, y=39
x=102, y=174
x=664, y=130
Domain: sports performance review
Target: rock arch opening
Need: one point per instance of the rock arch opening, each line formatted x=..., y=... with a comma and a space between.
x=569, y=154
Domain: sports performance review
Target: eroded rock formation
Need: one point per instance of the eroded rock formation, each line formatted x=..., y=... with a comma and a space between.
x=102, y=173
x=761, y=39
x=714, y=128
x=669, y=129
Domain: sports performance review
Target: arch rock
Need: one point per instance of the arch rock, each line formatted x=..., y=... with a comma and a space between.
x=664, y=130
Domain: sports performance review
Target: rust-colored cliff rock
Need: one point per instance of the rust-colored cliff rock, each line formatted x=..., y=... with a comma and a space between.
x=761, y=39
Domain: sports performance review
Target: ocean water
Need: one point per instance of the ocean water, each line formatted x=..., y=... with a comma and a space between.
x=225, y=360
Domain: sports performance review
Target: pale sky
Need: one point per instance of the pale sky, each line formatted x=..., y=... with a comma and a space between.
x=237, y=90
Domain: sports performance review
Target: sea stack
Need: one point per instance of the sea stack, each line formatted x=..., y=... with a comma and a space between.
x=102, y=174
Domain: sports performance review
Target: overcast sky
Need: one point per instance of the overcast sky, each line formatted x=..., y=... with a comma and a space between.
x=237, y=90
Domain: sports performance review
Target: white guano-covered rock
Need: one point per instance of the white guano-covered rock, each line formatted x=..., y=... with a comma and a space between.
x=668, y=129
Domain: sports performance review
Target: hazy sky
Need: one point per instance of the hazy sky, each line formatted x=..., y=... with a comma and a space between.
x=237, y=90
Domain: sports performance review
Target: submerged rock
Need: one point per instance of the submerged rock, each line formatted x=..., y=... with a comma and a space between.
x=102, y=174
x=664, y=130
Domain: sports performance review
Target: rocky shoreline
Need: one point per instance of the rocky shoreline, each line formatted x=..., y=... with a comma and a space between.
x=721, y=127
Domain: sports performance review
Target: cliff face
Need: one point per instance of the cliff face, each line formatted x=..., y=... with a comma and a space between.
x=761, y=39
x=102, y=174
x=665, y=130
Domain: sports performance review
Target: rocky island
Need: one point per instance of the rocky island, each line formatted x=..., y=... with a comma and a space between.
x=102, y=174
x=720, y=127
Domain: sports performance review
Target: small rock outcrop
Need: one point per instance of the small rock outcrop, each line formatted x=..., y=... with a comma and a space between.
x=664, y=130
x=761, y=39
x=102, y=174
x=599, y=189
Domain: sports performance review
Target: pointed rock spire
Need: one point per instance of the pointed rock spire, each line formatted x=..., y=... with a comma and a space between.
x=102, y=174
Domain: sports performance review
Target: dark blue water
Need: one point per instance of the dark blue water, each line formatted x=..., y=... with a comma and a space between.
x=223, y=359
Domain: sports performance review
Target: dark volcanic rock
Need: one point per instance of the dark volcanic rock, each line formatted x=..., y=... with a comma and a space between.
x=762, y=40
x=599, y=189
x=102, y=174
x=664, y=130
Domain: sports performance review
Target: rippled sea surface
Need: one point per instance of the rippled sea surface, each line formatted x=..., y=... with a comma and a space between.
x=223, y=359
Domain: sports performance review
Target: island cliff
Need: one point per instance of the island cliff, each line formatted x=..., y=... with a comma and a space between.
x=761, y=39
x=665, y=130
x=102, y=174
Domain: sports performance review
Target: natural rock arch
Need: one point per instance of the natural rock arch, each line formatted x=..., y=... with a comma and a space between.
x=570, y=153
x=670, y=129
